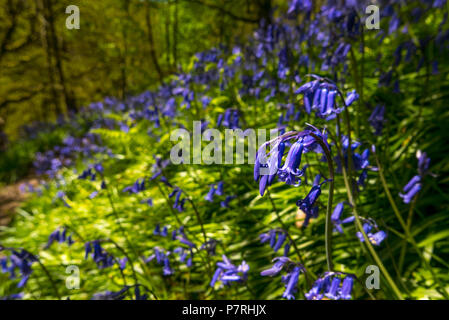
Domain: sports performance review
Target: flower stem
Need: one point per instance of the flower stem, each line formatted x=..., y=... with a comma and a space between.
x=357, y=217
x=328, y=230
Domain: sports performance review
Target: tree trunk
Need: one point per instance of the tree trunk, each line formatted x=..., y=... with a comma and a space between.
x=151, y=41
x=69, y=101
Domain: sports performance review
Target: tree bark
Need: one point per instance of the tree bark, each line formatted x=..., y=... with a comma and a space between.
x=69, y=101
x=151, y=41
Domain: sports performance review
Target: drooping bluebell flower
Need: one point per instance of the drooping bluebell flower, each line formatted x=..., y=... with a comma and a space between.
x=266, y=169
x=415, y=184
x=225, y=202
x=336, y=217
x=102, y=258
x=210, y=246
x=423, y=163
x=291, y=280
x=277, y=266
x=228, y=273
x=320, y=95
x=375, y=238
x=346, y=288
x=93, y=194
x=276, y=238
x=359, y=161
x=332, y=293
x=122, y=263
x=332, y=285
x=351, y=97
x=21, y=260
x=210, y=195
x=15, y=296
x=157, y=230
x=307, y=205
x=179, y=203
x=411, y=189
x=148, y=201
x=59, y=236
x=111, y=295
x=167, y=270
x=289, y=172
x=183, y=239
x=137, y=187
x=61, y=195
x=219, y=191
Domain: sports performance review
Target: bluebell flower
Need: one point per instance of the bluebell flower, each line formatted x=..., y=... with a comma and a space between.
x=61, y=195
x=185, y=241
x=290, y=173
x=266, y=169
x=336, y=217
x=164, y=231
x=307, y=205
x=157, y=230
x=346, y=288
x=351, y=96
x=167, y=270
x=219, y=191
x=137, y=187
x=332, y=285
x=423, y=163
x=225, y=202
x=291, y=279
x=210, y=246
x=332, y=293
x=102, y=258
x=179, y=203
x=59, y=236
x=377, y=119
x=18, y=259
x=111, y=295
x=210, y=195
x=227, y=272
x=277, y=266
x=375, y=238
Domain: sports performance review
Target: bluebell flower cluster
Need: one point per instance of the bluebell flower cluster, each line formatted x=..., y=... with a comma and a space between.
x=59, y=236
x=333, y=286
x=102, y=258
x=277, y=238
x=228, y=273
x=20, y=260
x=230, y=119
x=179, y=203
x=290, y=279
x=137, y=187
x=375, y=236
x=412, y=188
x=321, y=96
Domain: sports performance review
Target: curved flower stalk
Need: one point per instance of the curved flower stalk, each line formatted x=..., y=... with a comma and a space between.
x=310, y=140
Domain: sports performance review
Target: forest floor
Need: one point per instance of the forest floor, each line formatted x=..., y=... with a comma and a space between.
x=11, y=197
